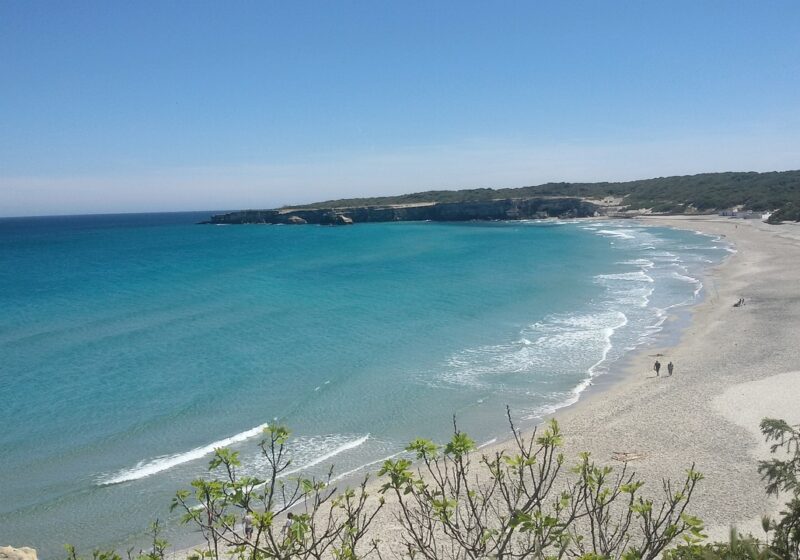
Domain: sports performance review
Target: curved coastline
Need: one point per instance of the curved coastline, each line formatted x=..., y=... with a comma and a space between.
x=676, y=421
x=669, y=329
x=687, y=418
x=691, y=417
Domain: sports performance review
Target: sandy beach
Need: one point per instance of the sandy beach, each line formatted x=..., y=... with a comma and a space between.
x=733, y=367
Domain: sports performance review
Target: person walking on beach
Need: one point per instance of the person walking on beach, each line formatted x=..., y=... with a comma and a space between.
x=657, y=367
x=248, y=526
x=670, y=367
x=287, y=527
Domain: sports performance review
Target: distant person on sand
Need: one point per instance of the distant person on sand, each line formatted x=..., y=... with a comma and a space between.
x=287, y=527
x=670, y=367
x=657, y=367
x=248, y=526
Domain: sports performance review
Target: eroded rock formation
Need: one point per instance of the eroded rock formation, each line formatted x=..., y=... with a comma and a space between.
x=502, y=209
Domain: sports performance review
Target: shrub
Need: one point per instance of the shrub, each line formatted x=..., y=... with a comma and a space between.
x=782, y=476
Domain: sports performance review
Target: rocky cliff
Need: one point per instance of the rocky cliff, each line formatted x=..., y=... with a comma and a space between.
x=502, y=209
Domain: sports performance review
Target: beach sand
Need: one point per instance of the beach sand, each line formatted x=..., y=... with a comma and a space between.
x=733, y=367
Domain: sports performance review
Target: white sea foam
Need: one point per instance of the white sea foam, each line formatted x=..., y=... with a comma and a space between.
x=365, y=465
x=555, y=351
x=620, y=233
x=558, y=345
x=644, y=263
x=692, y=280
x=664, y=256
x=594, y=368
x=352, y=444
x=638, y=276
x=304, y=449
x=684, y=278
x=165, y=462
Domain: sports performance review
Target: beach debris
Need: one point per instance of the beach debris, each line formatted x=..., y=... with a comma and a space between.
x=626, y=456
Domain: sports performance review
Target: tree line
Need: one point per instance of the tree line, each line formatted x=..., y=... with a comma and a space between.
x=705, y=192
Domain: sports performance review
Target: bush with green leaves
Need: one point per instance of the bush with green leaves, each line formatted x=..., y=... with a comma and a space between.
x=452, y=503
x=325, y=523
x=737, y=548
x=781, y=476
x=527, y=504
x=157, y=550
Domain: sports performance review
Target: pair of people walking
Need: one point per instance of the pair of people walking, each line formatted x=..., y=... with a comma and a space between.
x=657, y=368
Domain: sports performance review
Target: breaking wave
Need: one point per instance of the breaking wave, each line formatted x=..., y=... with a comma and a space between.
x=159, y=464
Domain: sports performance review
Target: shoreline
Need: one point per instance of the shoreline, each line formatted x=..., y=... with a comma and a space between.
x=693, y=417
x=726, y=358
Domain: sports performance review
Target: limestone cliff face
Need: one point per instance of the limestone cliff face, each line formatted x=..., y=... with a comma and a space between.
x=503, y=209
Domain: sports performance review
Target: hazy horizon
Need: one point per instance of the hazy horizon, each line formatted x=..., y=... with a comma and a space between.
x=371, y=194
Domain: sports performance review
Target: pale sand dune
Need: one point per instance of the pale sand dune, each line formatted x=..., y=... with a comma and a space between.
x=746, y=404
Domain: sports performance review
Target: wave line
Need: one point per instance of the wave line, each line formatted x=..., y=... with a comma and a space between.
x=165, y=462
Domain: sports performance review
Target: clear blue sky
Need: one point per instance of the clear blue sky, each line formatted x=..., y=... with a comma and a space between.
x=136, y=106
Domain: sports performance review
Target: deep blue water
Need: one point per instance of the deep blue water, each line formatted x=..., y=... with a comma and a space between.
x=130, y=345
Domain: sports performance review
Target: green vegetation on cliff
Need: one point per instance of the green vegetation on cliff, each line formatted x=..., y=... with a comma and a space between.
x=706, y=192
x=789, y=212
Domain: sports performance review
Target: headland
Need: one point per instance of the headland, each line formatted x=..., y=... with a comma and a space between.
x=500, y=209
x=773, y=193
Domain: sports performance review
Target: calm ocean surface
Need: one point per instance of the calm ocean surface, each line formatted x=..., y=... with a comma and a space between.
x=131, y=346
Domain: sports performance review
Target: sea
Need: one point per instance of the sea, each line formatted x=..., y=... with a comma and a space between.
x=131, y=346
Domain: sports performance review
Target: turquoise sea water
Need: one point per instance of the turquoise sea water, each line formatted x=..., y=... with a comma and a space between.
x=131, y=346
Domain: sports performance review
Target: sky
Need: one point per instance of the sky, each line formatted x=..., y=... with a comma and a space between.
x=169, y=106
